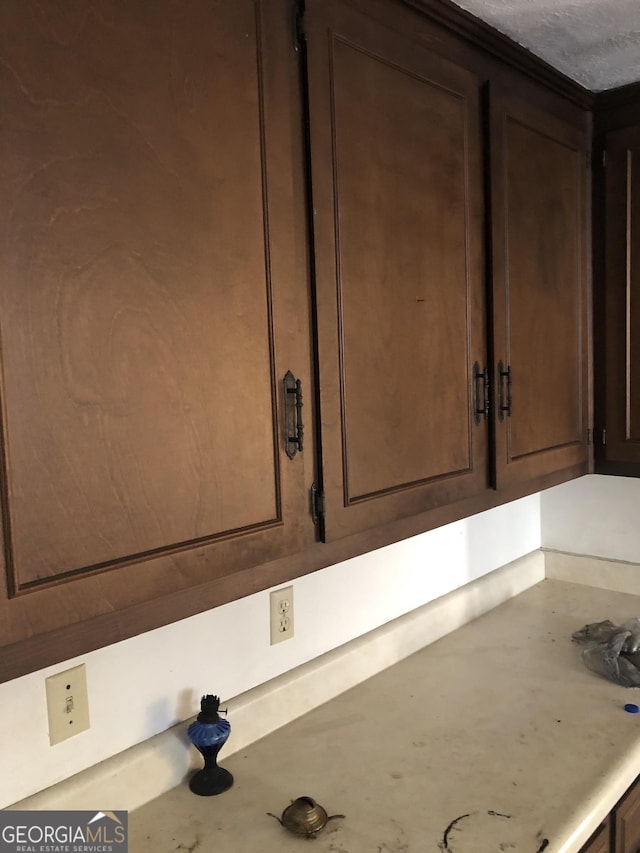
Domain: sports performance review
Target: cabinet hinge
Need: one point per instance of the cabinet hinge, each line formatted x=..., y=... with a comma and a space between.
x=589, y=436
x=317, y=504
x=604, y=435
x=604, y=157
x=299, y=33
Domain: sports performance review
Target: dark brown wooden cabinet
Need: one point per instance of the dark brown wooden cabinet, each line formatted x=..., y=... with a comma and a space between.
x=619, y=428
x=397, y=155
x=627, y=822
x=397, y=183
x=190, y=208
x=620, y=832
x=540, y=290
x=153, y=271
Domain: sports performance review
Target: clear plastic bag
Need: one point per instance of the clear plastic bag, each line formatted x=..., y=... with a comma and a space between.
x=612, y=651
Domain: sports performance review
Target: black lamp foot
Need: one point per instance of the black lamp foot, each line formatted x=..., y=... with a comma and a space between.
x=207, y=782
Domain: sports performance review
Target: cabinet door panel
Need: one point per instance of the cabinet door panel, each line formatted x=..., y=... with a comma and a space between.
x=622, y=294
x=538, y=168
x=150, y=246
x=397, y=196
x=627, y=822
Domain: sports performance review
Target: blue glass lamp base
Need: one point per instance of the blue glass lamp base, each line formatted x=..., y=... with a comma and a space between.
x=209, y=739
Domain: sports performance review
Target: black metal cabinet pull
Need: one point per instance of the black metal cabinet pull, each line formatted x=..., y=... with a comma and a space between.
x=502, y=375
x=294, y=428
x=480, y=403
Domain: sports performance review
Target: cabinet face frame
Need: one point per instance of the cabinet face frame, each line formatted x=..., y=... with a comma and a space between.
x=541, y=432
x=398, y=432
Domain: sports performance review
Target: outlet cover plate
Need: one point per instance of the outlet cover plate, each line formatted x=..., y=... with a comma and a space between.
x=67, y=703
x=281, y=609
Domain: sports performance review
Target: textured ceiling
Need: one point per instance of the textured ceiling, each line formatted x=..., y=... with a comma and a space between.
x=595, y=42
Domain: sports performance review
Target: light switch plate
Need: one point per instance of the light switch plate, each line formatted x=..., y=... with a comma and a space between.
x=67, y=703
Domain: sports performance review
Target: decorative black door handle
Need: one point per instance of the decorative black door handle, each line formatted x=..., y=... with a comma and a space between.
x=294, y=428
x=502, y=375
x=480, y=403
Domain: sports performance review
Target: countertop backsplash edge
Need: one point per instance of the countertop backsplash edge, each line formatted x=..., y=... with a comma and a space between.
x=149, y=769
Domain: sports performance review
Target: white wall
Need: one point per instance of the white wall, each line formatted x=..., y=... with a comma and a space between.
x=595, y=515
x=142, y=686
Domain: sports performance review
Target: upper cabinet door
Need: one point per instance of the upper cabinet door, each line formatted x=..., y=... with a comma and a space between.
x=540, y=281
x=398, y=217
x=622, y=296
x=152, y=296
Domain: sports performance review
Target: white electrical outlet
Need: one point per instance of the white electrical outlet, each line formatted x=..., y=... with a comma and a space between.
x=67, y=703
x=281, y=606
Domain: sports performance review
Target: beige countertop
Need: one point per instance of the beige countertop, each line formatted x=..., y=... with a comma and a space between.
x=495, y=738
